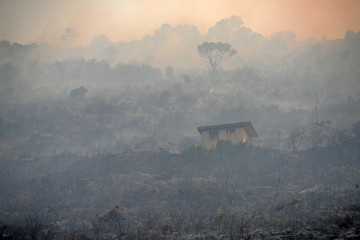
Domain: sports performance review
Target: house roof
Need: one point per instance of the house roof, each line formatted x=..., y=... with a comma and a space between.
x=249, y=128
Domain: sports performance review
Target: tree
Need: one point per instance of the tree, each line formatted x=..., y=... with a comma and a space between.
x=295, y=139
x=318, y=132
x=215, y=54
x=356, y=131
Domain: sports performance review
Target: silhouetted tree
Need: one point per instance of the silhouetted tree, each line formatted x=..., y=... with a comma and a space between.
x=215, y=54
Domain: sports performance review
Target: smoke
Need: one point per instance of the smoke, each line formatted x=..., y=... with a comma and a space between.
x=45, y=21
x=158, y=86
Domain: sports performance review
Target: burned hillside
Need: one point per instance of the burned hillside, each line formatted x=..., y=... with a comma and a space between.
x=231, y=192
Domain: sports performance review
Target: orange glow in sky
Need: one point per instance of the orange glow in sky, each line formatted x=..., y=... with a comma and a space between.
x=123, y=20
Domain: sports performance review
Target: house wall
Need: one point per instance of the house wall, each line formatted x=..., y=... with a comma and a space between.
x=239, y=136
x=206, y=143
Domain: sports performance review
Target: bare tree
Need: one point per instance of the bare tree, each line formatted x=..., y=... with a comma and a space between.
x=356, y=132
x=318, y=133
x=295, y=139
x=215, y=54
x=356, y=129
x=337, y=136
x=320, y=129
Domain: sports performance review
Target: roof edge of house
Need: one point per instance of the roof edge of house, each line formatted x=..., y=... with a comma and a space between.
x=247, y=125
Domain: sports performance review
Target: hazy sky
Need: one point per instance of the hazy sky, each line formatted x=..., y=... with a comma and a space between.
x=77, y=21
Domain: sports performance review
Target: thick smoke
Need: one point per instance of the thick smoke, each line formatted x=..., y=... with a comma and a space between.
x=158, y=86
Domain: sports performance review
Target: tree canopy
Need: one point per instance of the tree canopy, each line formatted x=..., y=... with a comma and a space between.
x=215, y=54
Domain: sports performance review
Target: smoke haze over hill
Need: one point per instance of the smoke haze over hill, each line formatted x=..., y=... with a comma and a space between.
x=100, y=104
x=159, y=85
